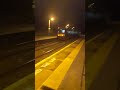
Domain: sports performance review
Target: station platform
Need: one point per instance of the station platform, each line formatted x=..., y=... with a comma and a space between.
x=56, y=74
x=37, y=38
x=16, y=29
x=63, y=70
x=44, y=36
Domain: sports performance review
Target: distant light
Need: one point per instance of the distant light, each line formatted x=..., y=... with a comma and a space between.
x=52, y=19
x=63, y=31
x=91, y=5
x=73, y=27
x=67, y=25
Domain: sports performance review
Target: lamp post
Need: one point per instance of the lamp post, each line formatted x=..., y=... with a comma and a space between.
x=67, y=26
x=49, y=25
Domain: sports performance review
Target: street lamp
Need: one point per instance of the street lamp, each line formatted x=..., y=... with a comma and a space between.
x=67, y=25
x=51, y=19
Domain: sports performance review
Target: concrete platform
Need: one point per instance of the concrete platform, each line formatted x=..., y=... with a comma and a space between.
x=37, y=38
x=68, y=75
x=72, y=65
x=16, y=29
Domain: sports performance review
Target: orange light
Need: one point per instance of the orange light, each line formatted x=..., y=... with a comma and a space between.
x=52, y=19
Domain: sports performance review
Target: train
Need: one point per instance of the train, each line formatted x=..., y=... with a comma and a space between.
x=67, y=33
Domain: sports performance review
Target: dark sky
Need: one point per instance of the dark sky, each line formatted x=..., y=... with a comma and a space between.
x=64, y=11
x=16, y=11
x=110, y=6
x=68, y=10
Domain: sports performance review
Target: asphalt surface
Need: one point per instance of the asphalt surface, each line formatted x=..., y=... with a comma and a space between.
x=109, y=76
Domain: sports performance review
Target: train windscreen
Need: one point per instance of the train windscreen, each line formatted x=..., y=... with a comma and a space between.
x=61, y=31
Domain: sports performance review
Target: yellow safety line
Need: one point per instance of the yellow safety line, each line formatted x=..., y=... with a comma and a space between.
x=44, y=60
x=58, y=75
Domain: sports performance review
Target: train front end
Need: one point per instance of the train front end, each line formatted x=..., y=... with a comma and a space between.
x=61, y=34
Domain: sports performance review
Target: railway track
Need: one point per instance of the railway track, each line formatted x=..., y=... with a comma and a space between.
x=47, y=48
x=18, y=57
x=20, y=63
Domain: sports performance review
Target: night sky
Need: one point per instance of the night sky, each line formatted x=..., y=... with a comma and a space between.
x=64, y=11
x=20, y=12
x=110, y=6
x=16, y=11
